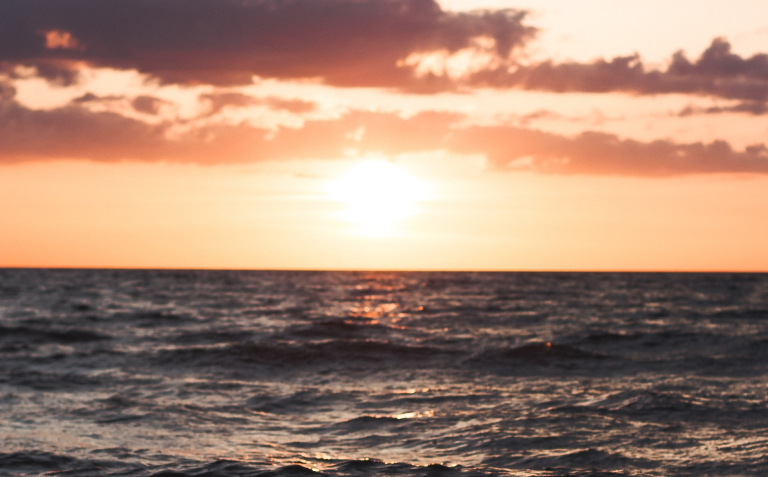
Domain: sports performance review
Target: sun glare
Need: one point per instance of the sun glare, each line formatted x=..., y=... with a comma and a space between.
x=378, y=195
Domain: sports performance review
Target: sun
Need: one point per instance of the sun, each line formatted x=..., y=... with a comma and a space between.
x=378, y=195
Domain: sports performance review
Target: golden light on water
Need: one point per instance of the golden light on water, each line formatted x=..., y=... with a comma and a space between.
x=378, y=196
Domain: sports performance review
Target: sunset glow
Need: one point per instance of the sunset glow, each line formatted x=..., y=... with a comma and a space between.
x=524, y=135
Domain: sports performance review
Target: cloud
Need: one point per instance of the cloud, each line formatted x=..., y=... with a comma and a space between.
x=91, y=98
x=143, y=104
x=224, y=42
x=57, y=72
x=717, y=72
x=411, y=45
x=74, y=131
x=601, y=153
x=148, y=104
x=7, y=91
x=752, y=107
x=219, y=101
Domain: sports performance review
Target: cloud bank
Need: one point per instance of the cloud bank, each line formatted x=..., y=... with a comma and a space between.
x=717, y=72
x=601, y=153
x=225, y=42
x=411, y=45
x=75, y=132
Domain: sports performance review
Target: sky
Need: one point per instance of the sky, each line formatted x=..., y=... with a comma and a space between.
x=384, y=134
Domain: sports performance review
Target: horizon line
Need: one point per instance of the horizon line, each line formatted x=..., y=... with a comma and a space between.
x=372, y=270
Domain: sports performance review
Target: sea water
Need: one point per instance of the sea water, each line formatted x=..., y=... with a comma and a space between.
x=271, y=373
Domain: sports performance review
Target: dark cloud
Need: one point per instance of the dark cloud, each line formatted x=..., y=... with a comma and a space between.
x=57, y=72
x=717, y=72
x=718, y=62
x=92, y=98
x=143, y=104
x=7, y=91
x=344, y=42
x=216, y=102
x=148, y=104
x=74, y=132
x=601, y=153
x=752, y=107
x=219, y=101
x=341, y=42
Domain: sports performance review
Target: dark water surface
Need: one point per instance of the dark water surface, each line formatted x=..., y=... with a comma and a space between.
x=223, y=373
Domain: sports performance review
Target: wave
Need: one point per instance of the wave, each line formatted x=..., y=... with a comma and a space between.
x=530, y=358
x=34, y=335
x=151, y=318
x=588, y=460
x=338, y=328
x=304, y=355
x=308, y=400
x=49, y=381
x=38, y=462
x=291, y=374
x=670, y=407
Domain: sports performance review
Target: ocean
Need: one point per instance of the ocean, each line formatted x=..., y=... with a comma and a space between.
x=294, y=374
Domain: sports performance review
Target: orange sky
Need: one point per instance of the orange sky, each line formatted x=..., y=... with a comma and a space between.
x=385, y=135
